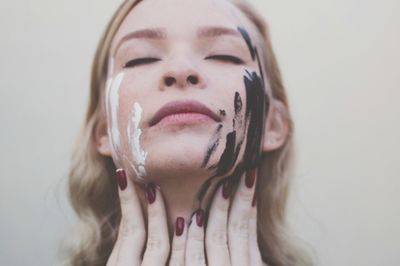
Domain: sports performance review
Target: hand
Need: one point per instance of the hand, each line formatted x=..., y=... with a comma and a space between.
x=132, y=234
x=230, y=239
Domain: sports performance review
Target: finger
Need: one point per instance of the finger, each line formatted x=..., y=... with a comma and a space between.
x=157, y=247
x=178, y=243
x=194, y=253
x=131, y=234
x=255, y=254
x=216, y=233
x=238, y=222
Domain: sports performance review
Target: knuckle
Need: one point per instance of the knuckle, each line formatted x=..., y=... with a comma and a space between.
x=218, y=238
x=157, y=245
x=127, y=230
x=196, y=238
x=125, y=199
x=175, y=263
x=198, y=258
x=239, y=228
x=221, y=205
x=178, y=247
x=245, y=195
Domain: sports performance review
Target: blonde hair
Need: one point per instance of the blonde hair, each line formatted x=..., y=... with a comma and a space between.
x=93, y=189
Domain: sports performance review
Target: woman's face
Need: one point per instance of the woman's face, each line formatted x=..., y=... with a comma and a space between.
x=177, y=100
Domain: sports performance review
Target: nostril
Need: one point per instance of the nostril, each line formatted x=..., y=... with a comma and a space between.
x=192, y=79
x=169, y=81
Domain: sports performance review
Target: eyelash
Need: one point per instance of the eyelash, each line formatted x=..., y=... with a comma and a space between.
x=146, y=60
x=226, y=58
x=140, y=61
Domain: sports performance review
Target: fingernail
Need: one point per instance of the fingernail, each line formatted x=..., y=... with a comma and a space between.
x=200, y=217
x=250, y=178
x=226, y=189
x=121, y=178
x=151, y=192
x=179, y=226
x=253, y=202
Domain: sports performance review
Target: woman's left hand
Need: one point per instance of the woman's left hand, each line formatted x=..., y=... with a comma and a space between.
x=230, y=238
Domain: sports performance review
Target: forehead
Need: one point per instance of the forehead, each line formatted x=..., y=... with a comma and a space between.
x=183, y=18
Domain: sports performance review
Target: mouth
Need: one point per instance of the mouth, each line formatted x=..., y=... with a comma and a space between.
x=183, y=112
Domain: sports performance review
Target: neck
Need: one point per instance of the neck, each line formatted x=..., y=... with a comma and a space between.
x=180, y=198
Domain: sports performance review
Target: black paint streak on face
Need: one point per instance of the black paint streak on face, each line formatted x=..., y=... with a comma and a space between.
x=247, y=39
x=222, y=112
x=234, y=140
x=225, y=163
x=228, y=156
x=253, y=50
x=238, y=147
x=238, y=103
x=257, y=106
x=255, y=114
x=213, y=146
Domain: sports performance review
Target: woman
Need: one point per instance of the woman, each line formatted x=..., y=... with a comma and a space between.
x=187, y=141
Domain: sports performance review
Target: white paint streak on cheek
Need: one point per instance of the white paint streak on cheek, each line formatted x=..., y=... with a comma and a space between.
x=138, y=154
x=111, y=67
x=113, y=96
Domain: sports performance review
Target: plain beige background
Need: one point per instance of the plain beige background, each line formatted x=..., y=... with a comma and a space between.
x=341, y=65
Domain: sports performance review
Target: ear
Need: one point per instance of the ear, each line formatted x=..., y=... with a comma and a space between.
x=276, y=127
x=102, y=139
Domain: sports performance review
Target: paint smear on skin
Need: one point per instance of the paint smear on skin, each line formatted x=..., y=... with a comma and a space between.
x=114, y=106
x=228, y=156
x=257, y=106
x=108, y=87
x=234, y=140
x=138, y=154
x=212, y=146
x=238, y=103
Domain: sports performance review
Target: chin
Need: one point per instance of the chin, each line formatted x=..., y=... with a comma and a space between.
x=177, y=157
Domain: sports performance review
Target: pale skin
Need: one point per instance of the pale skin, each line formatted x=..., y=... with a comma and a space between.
x=230, y=236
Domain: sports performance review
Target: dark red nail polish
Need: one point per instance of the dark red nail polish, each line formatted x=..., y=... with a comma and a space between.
x=226, y=189
x=179, y=226
x=151, y=192
x=250, y=178
x=200, y=217
x=121, y=178
x=253, y=202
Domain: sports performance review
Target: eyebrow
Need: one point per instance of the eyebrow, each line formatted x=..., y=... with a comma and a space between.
x=161, y=33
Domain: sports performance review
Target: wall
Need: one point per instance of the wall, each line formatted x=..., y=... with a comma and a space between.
x=340, y=61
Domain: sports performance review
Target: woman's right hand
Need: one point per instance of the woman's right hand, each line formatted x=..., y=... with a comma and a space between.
x=132, y=232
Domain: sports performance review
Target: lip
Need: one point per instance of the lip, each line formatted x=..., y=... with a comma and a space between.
x=182, y=107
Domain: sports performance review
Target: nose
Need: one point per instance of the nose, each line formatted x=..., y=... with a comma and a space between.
x=182, y=76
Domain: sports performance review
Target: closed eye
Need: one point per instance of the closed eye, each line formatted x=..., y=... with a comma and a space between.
x=140, y=61
x=226, y=58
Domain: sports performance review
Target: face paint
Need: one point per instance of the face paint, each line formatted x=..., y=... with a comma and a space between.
x=257, y=106
x=112, y=93
x=238, y=103
x=255, y=115
x=138, y=155
x=247, y=39
x=234, y=140
x=212, y=146
x=222, y=112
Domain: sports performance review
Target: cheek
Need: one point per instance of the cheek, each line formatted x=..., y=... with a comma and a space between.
x=124, y=113
x=226, y=146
